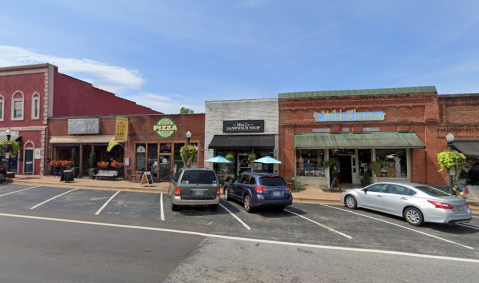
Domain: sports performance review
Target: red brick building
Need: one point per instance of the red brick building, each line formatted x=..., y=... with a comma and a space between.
x=403, y=127
x=29, y=95
x=153, y=142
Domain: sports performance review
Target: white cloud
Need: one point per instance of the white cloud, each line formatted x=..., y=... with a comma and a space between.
x=111, y=78
x=170, y=104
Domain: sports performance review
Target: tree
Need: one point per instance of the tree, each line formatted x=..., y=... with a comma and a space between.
x=185, y=110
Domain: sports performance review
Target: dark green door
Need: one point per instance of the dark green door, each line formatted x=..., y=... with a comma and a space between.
x=28, y=161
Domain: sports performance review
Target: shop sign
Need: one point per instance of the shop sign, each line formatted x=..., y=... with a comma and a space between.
x=350, y=115
x=165, y=127
x=141, y=149
x=244, y=126
x=321, y=130
x=83, y=126
x=121, y=129
x=37, y=153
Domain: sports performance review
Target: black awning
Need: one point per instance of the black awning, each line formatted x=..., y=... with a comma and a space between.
x=468, y=148
x=243, y=142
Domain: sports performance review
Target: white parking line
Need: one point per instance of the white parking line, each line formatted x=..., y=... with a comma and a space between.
x=237, y=218
x=162, y=209
x=106, y=203
x=33, y=207
x=317, y=223
x=429, y=235
x=458, y=259
x=19, y=191
x=475, y=216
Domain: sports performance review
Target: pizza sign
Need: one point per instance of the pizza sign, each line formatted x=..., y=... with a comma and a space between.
x=165, y=127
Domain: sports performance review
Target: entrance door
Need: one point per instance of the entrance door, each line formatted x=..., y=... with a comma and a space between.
x=345, y=175
x=28, y=161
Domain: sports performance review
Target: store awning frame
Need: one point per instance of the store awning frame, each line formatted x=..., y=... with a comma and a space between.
x=362, y=141
x=81, y=139
x=242, y=142
x=468, y=148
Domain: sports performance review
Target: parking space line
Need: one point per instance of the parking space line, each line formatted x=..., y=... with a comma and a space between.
x=33, y=207
x=19, y=191
x=322, y=225
x=106, y=203
x=469, y=226
x=410, y=229
x=237, y=218
x=475, y=216
x=162, y=209
x=254, y=240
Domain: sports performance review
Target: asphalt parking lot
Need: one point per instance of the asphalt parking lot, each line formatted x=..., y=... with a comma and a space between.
x=329, y=225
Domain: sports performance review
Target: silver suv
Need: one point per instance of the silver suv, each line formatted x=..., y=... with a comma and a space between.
x=194, y=186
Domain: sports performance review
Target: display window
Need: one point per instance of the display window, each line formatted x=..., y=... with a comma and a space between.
x=394, y=162
x=309, y=162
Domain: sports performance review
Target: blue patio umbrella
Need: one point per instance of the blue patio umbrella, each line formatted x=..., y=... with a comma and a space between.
x=218, y=159
x=268, y=160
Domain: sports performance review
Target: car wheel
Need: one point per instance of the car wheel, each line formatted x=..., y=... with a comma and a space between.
x=247, y=204
x=351, y=202
x=413, y=216
x=213, y=206
x=227, y=194
x=2, y=176
x=175, y=207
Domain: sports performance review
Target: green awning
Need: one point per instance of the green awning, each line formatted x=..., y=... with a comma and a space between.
x=468, y=148
x=373, y=140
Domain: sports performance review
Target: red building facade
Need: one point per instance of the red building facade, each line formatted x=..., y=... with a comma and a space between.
x=153, y=143
x=29, y=95
x=405, y=128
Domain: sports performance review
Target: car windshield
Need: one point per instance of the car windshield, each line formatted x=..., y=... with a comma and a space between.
x=431, y=191
x=199, y=177
x=271, y=181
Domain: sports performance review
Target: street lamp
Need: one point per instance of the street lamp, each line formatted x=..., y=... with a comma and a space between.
x=8, y=134
x=450, y=139
x=188, y=137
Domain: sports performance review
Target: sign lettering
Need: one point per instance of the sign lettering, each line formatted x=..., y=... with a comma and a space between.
x=349, y=115
x=165, y=127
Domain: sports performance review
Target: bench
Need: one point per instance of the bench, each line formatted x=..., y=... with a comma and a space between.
x=113, y=174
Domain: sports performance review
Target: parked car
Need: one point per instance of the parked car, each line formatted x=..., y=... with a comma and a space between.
x=3, y=173
x=255, y=189
x=417, y=203
x=194, y=186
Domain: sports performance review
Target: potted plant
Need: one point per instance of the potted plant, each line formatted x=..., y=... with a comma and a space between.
x=188, y=155
x=230, y=156
x=376, y=168
x=251, y=157
x=366, y=180
x=91, y=161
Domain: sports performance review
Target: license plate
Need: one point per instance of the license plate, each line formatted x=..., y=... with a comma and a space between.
x=198, y=193
x=276, y=194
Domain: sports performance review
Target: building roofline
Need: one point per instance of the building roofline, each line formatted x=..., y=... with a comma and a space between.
x=26, y=66
x=458, y=95
x=359, y=92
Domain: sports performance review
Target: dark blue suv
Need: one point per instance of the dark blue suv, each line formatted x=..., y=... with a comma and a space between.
x=255, y=189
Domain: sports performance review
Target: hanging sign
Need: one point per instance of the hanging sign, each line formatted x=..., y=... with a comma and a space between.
x=349, y=115
x=165, y=128
x=121, y=129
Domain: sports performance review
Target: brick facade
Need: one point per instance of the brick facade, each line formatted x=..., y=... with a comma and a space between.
x=58, y=95
x=427, y=115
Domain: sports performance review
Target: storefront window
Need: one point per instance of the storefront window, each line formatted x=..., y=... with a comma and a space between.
x=178, y=161
x=165, y=165
x=165, y=147
x=309, y=162
x=394, y=162
x=140, y=156
x=470, y=173
x=364, y=161
x=152, y=163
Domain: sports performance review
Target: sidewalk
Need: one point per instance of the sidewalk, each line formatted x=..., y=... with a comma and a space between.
x=308, y=195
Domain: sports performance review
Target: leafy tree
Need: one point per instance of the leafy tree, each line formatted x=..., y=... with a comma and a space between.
x=185, y=110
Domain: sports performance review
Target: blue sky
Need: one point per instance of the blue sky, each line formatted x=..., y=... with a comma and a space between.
x=172, y=54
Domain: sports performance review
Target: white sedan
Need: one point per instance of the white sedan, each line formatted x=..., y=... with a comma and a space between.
x=415, y=202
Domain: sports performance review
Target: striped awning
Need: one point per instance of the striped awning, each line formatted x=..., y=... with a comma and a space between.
x=372, y=140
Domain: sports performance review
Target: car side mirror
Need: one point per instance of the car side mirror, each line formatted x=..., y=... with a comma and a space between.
x=364, y=190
